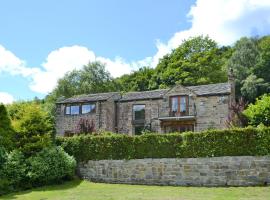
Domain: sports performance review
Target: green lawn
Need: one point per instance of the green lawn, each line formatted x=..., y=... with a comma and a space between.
x=97, y=191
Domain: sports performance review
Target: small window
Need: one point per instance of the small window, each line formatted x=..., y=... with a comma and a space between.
x=88, y=108
x=139, y=130
x=75, y=110
x=67, y=110
x=139, y=112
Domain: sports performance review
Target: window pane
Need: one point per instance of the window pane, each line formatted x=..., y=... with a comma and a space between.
x=67, y=110
x=75, y=110
x=139, y=130
x=88, y=108
x=139, y=112
x=183, y=105
x=174, y=106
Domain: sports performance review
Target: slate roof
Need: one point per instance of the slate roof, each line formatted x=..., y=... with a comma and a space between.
x=92, y=97
x=153, y=94
x=200, y=90
x=211, y=89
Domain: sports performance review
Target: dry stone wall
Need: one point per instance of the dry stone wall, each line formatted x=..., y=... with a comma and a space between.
x=216, y=171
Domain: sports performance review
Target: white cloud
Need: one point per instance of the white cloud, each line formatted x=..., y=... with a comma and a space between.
x=6, y=98
x=14, y=65
x=223, y=20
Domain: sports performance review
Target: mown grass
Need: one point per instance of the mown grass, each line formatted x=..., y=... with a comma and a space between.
x=82, y=190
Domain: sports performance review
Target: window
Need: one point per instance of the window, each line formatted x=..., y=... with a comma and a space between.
x=179, y=128
x=139, y=112
x=67, y=110
x=179, y=105
x=88, y=108
x=138, y=130
x=75, y=110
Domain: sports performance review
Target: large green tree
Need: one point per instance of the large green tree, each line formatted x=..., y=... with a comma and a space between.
x=249, y=63
x=197, y=60
x=92, y=78
x=139, y=80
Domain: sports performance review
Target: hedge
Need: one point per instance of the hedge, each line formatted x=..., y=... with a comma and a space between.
x=231, y=142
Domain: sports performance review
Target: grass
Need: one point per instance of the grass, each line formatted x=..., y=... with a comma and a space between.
x=83, y=190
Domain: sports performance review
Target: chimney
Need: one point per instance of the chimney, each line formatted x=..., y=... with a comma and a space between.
x=231, y=81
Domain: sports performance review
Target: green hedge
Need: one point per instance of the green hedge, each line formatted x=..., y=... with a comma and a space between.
x=231, y=142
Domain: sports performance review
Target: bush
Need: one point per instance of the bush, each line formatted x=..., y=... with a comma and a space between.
x=15, y=170
x=231, y=142
x=6, y=131
x=118, y=146
x=259, y=113
x=50, y=166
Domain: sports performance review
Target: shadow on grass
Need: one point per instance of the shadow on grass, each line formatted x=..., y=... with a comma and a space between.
x=64, y=186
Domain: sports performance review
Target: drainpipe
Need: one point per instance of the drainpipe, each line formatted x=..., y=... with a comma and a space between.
x=99, y=113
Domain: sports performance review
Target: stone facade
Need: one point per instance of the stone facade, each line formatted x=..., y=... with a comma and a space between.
x=207, y=106
x=216, y=171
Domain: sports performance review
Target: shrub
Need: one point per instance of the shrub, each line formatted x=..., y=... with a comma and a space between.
x=33, y=129
x=118, y=146
x=259, y=113
x=50, y=166
x=6, y=131
x=231, y=142
x=15, y=170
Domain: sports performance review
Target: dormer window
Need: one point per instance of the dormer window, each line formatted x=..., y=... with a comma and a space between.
x=179, y=106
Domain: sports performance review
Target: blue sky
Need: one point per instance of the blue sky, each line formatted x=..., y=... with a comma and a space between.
x=42, y=40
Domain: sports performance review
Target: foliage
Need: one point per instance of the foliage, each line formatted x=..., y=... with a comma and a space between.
x=259, y=113
x=231, y=142
x=6, y=130
x=117, y=146
x=140, y=80
x=50, y=166
x=33, y=127
x=85, y=126
x=249, y=62
x=236, y=117
x=93, y=78
x=196, y=61
x=15, y=170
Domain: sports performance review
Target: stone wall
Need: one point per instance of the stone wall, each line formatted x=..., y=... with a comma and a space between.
x=212, y=112
x=125, y=115
x=216, y=171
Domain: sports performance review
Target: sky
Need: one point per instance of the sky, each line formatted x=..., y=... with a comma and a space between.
x=42, y=40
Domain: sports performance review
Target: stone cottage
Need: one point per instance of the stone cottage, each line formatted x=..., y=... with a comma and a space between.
x=178, y=109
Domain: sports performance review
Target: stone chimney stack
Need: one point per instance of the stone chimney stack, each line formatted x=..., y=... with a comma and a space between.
x=231, y=81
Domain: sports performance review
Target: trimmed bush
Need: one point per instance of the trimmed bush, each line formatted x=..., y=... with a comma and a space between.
x=117, y=146
x=231, y=142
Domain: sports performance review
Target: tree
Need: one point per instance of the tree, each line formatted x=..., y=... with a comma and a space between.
x=33, y=127
x=139, y=80
x=93, y=78
x=259, y=112
x=262, y=68
x=249, y=63
x=196, y=61
x=252, y=87
x=6, y=130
